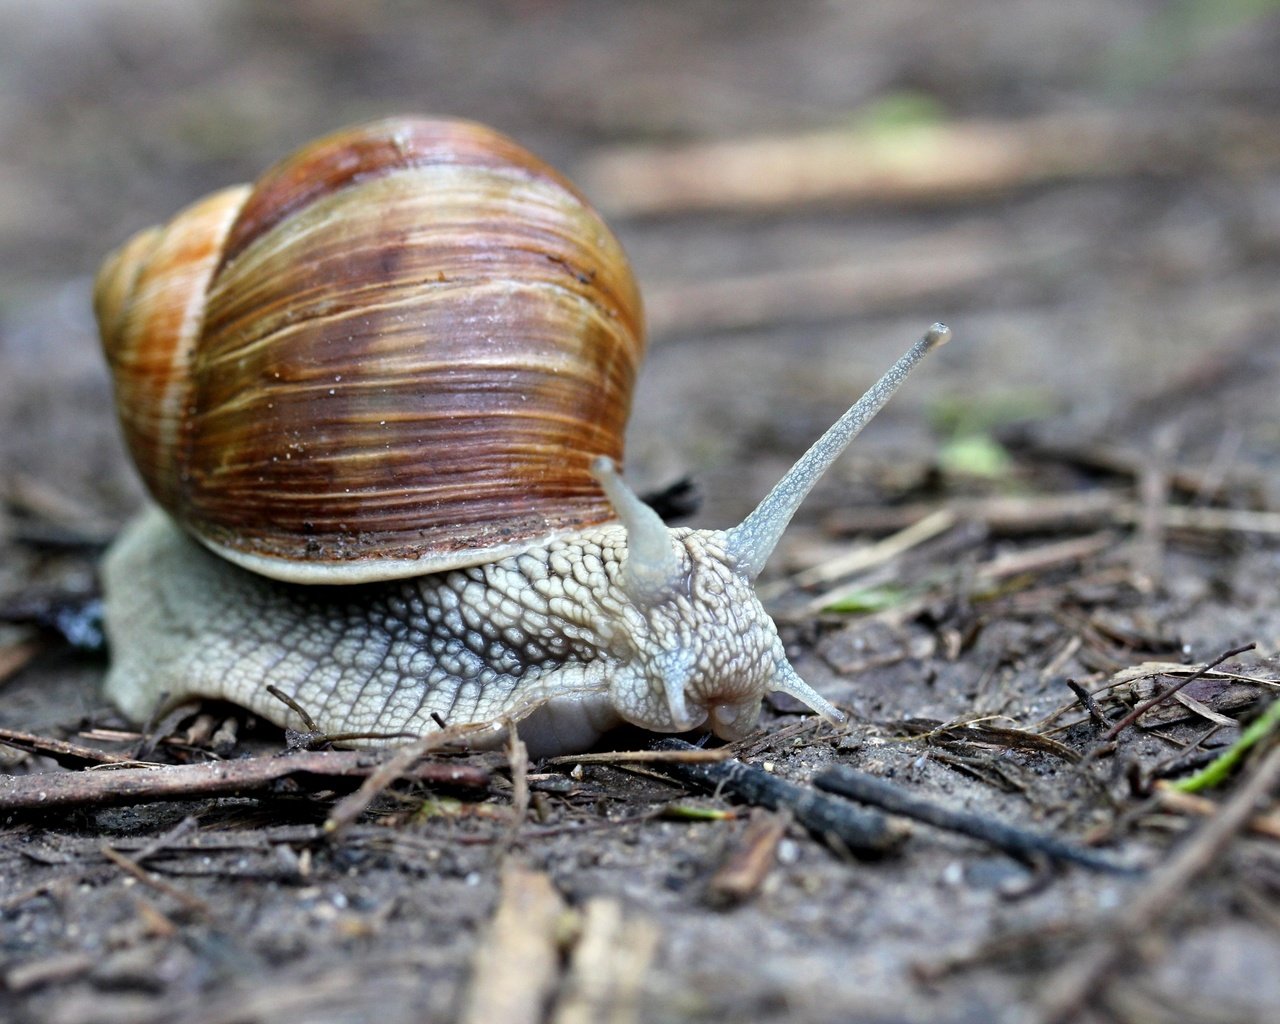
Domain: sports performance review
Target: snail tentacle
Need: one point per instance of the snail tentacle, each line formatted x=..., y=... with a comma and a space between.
x=652, y=568
x=752, y=541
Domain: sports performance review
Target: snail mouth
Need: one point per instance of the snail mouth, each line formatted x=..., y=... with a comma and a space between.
x=732, y=721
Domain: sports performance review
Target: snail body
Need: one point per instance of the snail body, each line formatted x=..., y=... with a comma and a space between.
x=378, y=398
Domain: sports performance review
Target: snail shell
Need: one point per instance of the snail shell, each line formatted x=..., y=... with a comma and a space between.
x=396, y=353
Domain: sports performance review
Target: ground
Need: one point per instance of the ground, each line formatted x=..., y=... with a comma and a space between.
x=1089, y=194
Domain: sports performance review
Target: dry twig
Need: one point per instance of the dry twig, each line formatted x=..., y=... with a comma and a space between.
x=1164, y=695
x=609, y=962
x=405, y=762
x=114, y=786
x=1055, y=512
x=516, y=964
x=1020, y=842
x=834, y=821
x=923, y=163
x=749, y=861
x=133, y=868
x=1071, y=986
x=69, y=755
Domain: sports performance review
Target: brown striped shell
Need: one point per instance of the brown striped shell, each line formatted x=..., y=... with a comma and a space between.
x=396, y=353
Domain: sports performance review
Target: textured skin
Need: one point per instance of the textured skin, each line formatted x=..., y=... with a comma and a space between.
x=545, y=637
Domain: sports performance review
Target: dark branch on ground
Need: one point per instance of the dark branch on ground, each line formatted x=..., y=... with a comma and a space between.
x=836, y=822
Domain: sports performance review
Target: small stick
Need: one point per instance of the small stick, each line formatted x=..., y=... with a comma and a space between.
x=861, y=559
x=132, y=867
x=1164, y=695
x=1170, y=798
x=116, y=786
x=692, y=755
x=52, y=970
x=852, y=828
x=308, y=722
x=164, y=840
x=961, y=160
x=607, y=968
x=923, y=272
x=69, y=755
x=1019, y=842
x=1044, y=557
x=17, y=656
x=404, y=762
x=516, y=966
x=1153, y=491
x=1070, y=512
x=518, y=762
x=1088, y=703
x=314, y=738
x=743, y=872
x=1068, y=989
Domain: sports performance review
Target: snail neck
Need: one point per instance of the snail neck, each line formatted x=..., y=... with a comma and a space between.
x=752, y=541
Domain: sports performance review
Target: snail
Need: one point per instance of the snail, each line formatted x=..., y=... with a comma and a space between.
x=378, y=398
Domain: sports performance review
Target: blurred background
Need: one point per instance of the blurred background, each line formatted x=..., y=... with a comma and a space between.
x=1089, y=193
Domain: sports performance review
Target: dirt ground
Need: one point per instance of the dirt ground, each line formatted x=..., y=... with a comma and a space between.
x=1089, y=194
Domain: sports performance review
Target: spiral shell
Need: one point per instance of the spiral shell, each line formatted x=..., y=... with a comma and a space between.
x=396, y=353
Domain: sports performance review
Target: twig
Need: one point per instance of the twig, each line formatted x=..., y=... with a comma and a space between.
x=115, y=786
x=748, y=863
x=314, y=738
x=1020, y=842
x=1065, y=653
x=132, y=867
x=1048, y=512
x=1089, y=704
x=517, y=962
x=52, y=970
x=687, y=754
x=1153, y=491
x=1170, y=798
x=919, y=163
x=868, y=557
x=978, y=732
x=607, y=968
x=308, y=722
x=1045, y=556
x=1068, y=989
x=163, y=841
x=1164, y=695
x=1030, y=561
x=518, y=763
x=403, y=763
x=1116, y=459
x=17, y=656
x=69, y=755
x=923, y=272
x=851, y=828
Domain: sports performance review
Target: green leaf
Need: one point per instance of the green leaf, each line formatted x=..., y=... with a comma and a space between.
x=975, y=455
x=868, y=599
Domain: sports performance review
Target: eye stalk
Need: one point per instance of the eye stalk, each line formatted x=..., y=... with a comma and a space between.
x=652, y=567
x=752, y=541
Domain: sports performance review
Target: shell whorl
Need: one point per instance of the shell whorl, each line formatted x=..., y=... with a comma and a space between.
x=396, y=353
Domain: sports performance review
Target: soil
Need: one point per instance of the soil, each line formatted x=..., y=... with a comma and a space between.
x=1117, y=349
